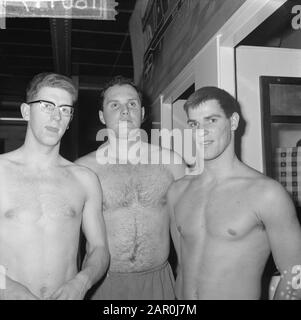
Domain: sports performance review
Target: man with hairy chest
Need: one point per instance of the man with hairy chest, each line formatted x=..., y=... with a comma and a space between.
x=134, y=194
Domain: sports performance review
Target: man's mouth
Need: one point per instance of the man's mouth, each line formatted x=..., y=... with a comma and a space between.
x=52, y=129
x=123, y=124
x=207, y=142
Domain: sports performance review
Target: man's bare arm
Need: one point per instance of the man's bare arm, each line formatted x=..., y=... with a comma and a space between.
x=97, y=256
x=173, y=227
x=175, y=235
x=283, y=229
x=174, y=162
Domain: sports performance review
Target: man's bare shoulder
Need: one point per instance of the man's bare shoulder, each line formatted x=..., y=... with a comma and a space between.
x=178, y=187
x=267, y=191
x=10, y=159
x=271, y=191
x=172, y=155
x=272, y=201
x=256, y=179
x=164, y=155
x=173, y=162
x=83, y=174
x=89, y=160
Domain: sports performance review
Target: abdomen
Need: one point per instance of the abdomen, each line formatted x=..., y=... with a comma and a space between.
x=138, y=238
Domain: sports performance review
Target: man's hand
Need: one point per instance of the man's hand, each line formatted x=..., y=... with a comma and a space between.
x=16, y=291
x=74, y=289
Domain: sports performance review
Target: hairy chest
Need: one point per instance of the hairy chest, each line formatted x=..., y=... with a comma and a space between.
x=134, y=185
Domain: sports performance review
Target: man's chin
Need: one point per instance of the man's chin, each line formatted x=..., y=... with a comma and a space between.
x=122, y=136
x=128, y=134
x=51, y=142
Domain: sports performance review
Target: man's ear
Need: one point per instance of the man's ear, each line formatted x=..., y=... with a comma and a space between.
x=25, y=111
x=68, y=126
x=101, y=118
x=142, y=113
x=234, y=121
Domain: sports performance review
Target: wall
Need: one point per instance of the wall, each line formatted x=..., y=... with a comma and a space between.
x=12, y=135
x=191, y=28
x=252, y=62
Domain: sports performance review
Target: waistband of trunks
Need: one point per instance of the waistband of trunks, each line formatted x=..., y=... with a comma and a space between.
x=139, y=273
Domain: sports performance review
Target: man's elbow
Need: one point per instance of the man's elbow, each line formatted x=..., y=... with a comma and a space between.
x=106, y=257
x=101, y=256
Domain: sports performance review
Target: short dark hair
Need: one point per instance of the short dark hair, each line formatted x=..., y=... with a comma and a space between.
x=120, y=81
x=53, y=80
x=227, y=102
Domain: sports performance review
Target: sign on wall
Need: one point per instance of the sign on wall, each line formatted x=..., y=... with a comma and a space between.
x=174, y=32
x=76, y=9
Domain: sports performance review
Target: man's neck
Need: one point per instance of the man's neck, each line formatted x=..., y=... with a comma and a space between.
x=222, y=167
x=40, y=156
x=124, y=148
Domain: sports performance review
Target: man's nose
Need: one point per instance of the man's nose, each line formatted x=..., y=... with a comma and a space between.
x=56, y=114
x=124, y=110
x=201, y=132
x=203, y=126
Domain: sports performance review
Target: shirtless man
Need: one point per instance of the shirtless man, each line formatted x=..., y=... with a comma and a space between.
x=226, y=221
x=134, y=200
x=44, y=199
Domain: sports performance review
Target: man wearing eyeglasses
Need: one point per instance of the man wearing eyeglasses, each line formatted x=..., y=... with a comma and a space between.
x=44, y=200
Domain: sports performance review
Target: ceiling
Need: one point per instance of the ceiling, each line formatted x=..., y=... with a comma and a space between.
x=275, y=29
x=87, y=48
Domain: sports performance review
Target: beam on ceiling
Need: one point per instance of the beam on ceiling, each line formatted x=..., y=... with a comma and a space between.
x=24, y=44
x=101, y=50
x=102, y=65
x=110, y=33
x=61, y=45
x=22, y=56
x=27, y=29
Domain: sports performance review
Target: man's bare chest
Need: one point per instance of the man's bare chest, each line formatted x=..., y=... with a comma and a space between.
x=220, y=214
x=130, y=186
x=28, y=199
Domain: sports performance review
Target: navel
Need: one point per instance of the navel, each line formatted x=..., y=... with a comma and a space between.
x=262, y=226
x=70, y=213
x=43, y=291
x=10, y=214
x=232, y=232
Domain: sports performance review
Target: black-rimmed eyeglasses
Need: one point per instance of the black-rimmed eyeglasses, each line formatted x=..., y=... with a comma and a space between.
x=50, y=107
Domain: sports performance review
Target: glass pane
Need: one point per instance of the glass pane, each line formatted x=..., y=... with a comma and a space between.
x=285, y=100
x=286, y=146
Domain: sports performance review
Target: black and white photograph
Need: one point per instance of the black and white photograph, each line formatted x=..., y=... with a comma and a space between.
x=150, y=150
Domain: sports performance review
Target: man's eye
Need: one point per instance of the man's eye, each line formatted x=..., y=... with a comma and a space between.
x=48, y=106
x=65, y=110
x=114, y=105
x=192, y=124
x=133, y=104
x=212, y=120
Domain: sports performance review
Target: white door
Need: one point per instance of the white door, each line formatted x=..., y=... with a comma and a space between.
x=251, y=63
